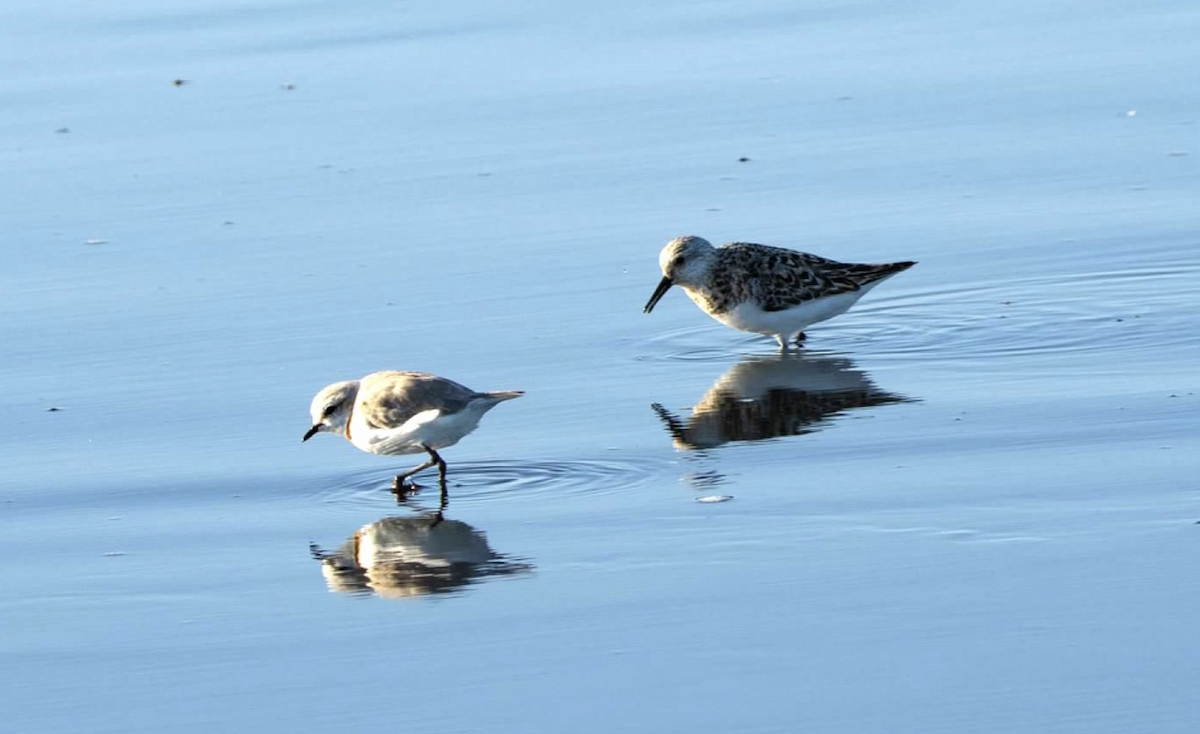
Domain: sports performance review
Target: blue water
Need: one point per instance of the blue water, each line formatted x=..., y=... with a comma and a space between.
x=970, y=504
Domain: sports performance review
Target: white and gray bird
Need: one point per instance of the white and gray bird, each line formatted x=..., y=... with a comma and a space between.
x=394, y=413
x=765, y=290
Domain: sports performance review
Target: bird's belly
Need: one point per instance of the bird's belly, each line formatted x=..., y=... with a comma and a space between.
x=748, y=316
x=447, y=430
x=443, y=431
x=387, y=443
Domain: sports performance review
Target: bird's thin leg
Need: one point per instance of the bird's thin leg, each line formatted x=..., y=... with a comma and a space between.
x=441, y=465
x=399, y=486
x=399, y=482
x=783, y=342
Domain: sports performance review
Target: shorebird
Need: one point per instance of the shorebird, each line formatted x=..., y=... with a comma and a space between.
x=394, y=413
x=765, y=290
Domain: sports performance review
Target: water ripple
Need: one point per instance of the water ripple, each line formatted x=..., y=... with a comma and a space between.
x=471, y=482
x=1067, y=315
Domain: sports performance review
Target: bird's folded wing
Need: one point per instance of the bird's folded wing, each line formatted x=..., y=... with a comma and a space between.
x=408, y=427
x=390, y=400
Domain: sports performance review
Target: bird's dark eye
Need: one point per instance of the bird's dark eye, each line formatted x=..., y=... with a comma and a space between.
x=678, y=262
x=328, y=410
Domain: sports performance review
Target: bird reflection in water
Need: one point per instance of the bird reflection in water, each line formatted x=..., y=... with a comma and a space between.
x=413, y=556
x=765, y=397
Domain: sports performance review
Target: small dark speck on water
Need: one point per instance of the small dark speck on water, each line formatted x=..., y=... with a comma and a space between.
x=743, y=159
x=113, y=554
x=179, y=82
x=227, y=223
x=483, y=174
x=54, y=410
x=63, y=130
x=1118, y=320
x=844, y=98
x=287, y=87
x=1177, y=153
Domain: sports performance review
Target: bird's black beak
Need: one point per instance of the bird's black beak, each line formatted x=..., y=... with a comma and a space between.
x=311, y=432
x=663, y=286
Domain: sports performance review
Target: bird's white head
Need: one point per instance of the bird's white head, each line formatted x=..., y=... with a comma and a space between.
x=331, y=408
x=684, y=261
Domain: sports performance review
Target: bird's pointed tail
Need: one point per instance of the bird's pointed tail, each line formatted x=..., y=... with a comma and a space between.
x=867, y=274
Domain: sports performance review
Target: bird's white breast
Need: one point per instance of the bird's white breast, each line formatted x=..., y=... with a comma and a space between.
x=749, y=316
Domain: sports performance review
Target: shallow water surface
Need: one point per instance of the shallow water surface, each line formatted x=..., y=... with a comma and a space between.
x=968, y=504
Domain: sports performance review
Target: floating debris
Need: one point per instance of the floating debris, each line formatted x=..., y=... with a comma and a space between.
x=113, y=554
x=1177, y=154
x=95, y=241
x=712, y=498
x=287, y=87
x=179, y=82
x=55, y=409
x=743, y=159
x=62, y=130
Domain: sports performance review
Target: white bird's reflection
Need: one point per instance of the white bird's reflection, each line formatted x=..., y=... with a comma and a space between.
x=765, y=397
x=413, y=556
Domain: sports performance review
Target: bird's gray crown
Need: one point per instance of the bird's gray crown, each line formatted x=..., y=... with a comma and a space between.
x=332, y=406
x=685, y=259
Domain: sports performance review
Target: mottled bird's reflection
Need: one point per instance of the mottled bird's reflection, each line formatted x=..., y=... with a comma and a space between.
x=765, y=397
x=413, y=556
